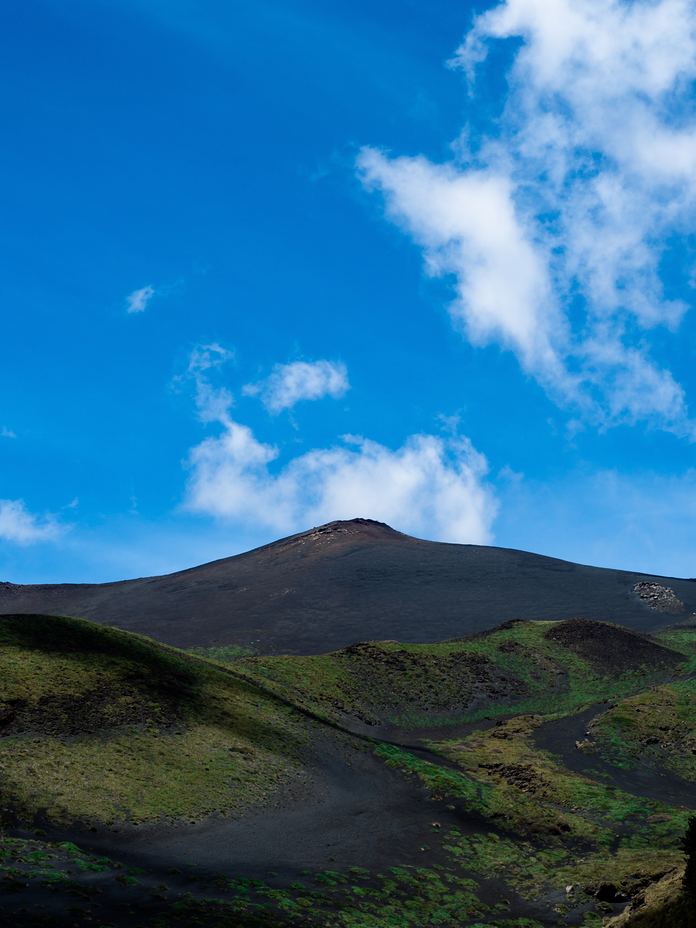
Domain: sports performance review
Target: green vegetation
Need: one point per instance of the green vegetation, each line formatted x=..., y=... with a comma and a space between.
x=98, y=726
x=223, y=654
x=548, y=828
x=405, y=896
x=657, y=726
x=105, y=726
x=440, y=781
x=505, y=756
x=401, y=897
x=690, y=855
x=517, y=668
x=682, y=639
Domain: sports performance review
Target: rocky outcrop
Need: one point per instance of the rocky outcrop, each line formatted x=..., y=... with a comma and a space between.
x=661, y=904
x=660, y=598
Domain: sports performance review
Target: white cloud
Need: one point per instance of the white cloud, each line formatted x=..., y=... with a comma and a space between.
x=288, y=384
x=555, y=225
x=19, y=525
x=139, y=300
x=468, y=226
x=206, y=358
x=431, y=486
x=213, y=403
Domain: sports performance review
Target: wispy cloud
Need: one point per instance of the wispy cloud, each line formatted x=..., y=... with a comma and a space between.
x=7, y=433
x=555, y=225
x=213, y=403
x=288, y=384
x=19, y=525
x=139, y=300
x=433, y=486
x=468, y=226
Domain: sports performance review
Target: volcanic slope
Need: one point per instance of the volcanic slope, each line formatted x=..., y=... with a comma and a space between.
x=354, y=581
x=140, y=785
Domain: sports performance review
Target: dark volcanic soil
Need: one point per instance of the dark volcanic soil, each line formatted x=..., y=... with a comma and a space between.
x=347, y=582
x=611, y=648
x=560, y=737
x=355, y=812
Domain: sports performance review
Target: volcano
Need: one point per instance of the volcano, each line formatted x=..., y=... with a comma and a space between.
x=359, y=580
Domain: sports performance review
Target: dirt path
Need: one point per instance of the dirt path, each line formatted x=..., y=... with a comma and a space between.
x=559, y=737
x=353, y=811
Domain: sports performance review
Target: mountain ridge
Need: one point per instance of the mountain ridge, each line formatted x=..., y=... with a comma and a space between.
x=354, y=580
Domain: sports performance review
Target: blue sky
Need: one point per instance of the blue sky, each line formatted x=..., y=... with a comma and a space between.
x=271, y=263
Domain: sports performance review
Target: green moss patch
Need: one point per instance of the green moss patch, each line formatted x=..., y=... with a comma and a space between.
x=657, y=726
x=100, y=725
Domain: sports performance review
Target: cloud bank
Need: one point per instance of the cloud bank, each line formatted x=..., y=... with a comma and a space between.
x=556, y=225
x=430, y=486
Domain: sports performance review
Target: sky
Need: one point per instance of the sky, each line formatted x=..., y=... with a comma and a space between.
x=271, y=263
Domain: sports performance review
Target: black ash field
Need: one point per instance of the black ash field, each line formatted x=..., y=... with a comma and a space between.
x=388, y=755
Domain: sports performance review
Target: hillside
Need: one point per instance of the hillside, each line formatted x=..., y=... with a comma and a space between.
x=522, y=667
x=662, y=904
x=383, y=784
x=355, y=581
x=101, y=726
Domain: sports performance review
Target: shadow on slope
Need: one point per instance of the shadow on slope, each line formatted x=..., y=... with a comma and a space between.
x=99, y=725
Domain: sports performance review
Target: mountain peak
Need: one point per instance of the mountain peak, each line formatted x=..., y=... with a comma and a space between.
x=345, y=528
x=355, y=525
x=352, y=580
x=336, y=534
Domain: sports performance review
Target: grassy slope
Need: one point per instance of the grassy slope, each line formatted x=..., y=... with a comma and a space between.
x=661, y=905
x=657, y=726
x=519, y=667
x=549, y=827
x=159, y=733
x=101, y=725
